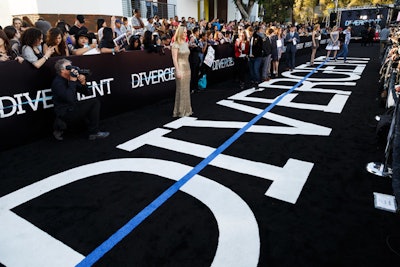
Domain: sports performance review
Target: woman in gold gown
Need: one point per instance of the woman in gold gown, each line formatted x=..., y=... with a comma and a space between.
x=180, y=57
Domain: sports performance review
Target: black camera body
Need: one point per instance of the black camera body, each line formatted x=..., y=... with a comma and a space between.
x=85, y=72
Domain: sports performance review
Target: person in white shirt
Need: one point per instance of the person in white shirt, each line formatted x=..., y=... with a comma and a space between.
x=150, y=25
x=137, y=23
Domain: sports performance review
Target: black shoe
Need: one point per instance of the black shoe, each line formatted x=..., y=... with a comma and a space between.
x=98, y=135
x=58, y=135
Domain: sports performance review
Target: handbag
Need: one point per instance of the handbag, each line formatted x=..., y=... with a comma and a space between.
x=203, y=82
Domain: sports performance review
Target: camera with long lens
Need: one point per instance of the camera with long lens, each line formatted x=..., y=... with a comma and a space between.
x=85, y=72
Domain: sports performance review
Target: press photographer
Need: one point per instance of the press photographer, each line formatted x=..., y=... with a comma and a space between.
x=70, y=80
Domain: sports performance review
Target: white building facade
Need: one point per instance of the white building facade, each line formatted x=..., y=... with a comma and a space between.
x=51, y=10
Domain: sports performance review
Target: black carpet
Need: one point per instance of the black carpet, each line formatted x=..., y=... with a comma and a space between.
x=333, y=222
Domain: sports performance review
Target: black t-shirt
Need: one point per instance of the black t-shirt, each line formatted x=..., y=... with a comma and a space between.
x=75, y=29
x=106, y=44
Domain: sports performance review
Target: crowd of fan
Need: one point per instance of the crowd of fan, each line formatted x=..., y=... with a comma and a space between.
x=36, y=42
x=258, y=45
x=388, y=127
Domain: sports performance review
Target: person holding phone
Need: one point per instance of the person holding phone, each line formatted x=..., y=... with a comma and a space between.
x=31, y=41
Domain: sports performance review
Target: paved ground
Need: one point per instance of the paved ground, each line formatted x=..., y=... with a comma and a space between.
x=289, y=189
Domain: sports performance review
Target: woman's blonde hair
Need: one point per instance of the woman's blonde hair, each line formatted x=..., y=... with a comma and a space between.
x=178, y=37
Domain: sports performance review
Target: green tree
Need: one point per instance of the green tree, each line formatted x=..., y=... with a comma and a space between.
x=278, y=10
x=299, y=10
x=304, y=8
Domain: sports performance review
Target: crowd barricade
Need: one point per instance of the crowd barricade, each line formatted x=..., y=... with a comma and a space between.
x=122, y=82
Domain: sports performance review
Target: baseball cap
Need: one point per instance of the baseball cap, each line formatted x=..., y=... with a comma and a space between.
x=118, y=21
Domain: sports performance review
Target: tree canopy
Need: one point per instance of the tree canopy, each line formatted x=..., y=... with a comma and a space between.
x=298, y=10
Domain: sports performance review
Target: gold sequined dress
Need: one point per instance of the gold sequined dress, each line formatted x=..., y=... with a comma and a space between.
x=182, y=95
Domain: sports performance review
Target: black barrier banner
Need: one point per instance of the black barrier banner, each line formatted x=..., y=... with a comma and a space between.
x=122, y=82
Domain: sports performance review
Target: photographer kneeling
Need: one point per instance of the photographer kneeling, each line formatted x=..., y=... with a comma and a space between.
x=67, y=108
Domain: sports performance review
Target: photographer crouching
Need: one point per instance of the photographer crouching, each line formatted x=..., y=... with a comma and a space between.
x=67, y=108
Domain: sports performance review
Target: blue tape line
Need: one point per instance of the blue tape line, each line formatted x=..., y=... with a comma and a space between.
x=26, y=102
x=33, y=101
x=113, y=240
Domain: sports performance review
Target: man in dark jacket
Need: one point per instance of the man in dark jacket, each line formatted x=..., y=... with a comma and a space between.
x=291, y=40
x=256, y=56
x=67, y=108
x=266, y=59
x=194, y=60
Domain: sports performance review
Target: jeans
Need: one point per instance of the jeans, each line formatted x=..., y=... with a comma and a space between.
x=344, y=52
x=396, y=160
x=254, y=69
x=291, y=58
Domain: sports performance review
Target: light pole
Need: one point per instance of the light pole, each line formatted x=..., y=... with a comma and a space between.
x=336, y=6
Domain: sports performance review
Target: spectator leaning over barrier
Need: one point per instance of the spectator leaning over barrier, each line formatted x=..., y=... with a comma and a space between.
x=101, y=23
x=64, y=27
x=117, y=28
x=32, y=52
x=137, y=23
x=150, y=25
x=67, y=108
x=107, y=44
x=82, y=43
x=78, y=26
x=6, y=53
x=14, y=38
x=55, y=39
x=125, y=27
x=166, y=41
x=134, y=43
x=151, y=41
x=43, y=25
x=17, y=24
x=210, y=38
x=158, y=25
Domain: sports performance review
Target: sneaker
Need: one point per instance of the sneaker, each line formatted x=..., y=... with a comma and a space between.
x=58, y=135
x=98, y=135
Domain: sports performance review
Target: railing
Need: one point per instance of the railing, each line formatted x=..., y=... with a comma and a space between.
x=150, y=9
